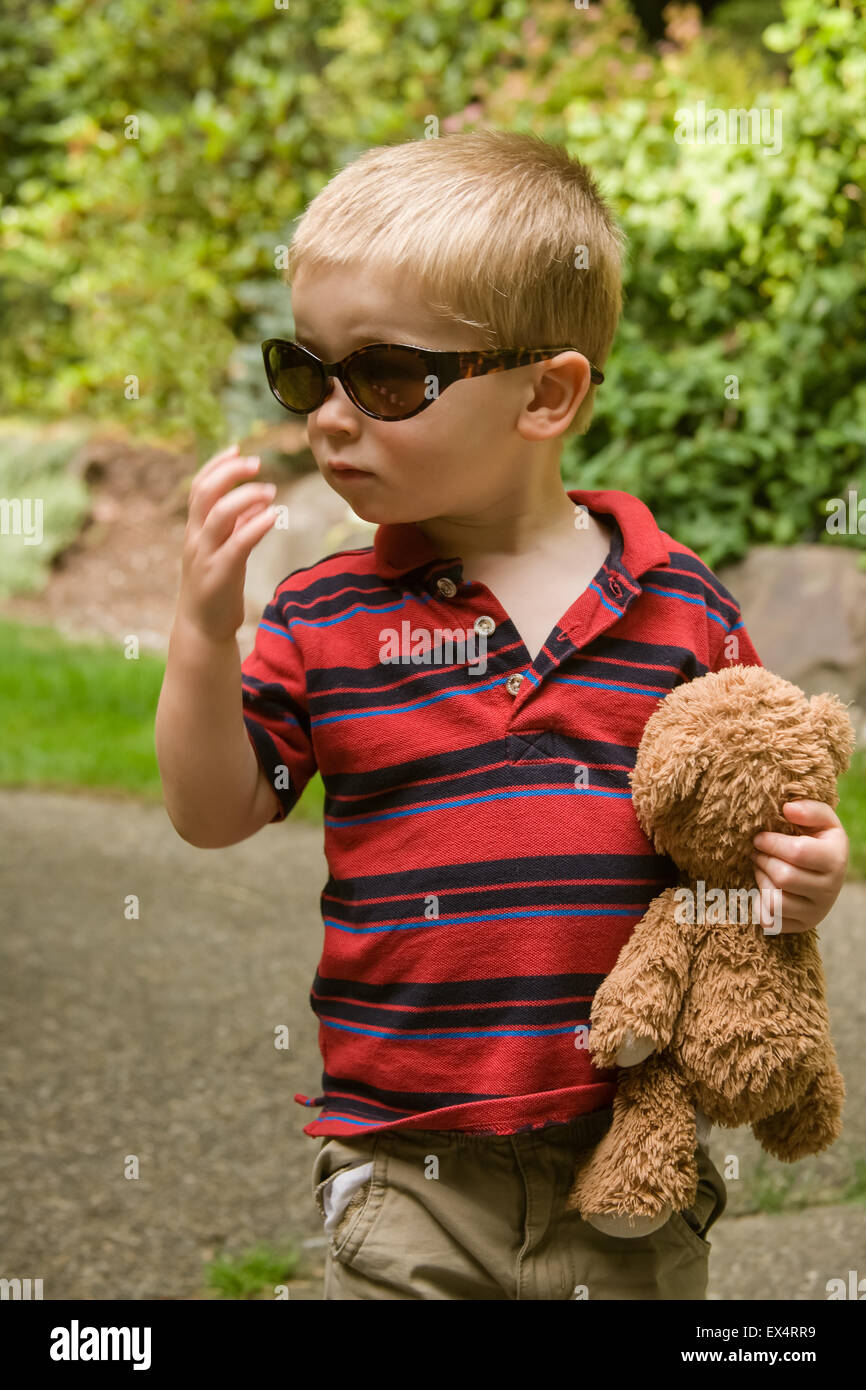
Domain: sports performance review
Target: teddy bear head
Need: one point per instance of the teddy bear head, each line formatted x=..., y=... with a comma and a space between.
x=719, y=758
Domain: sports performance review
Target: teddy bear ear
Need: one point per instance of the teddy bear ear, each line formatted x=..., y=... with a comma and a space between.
x=833, y=722
x=665, y=774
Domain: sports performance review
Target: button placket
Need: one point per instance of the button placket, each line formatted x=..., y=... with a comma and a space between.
x=484, y=625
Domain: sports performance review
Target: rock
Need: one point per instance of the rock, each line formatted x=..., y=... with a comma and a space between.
x=804, y=607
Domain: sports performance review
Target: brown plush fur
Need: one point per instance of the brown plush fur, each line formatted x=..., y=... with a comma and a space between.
x=737, y=1017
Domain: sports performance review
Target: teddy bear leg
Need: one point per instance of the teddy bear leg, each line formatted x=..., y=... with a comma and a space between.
x=810, y=1125
x=644, y=1167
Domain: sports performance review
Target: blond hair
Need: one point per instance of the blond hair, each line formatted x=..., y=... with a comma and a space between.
x=490, y=225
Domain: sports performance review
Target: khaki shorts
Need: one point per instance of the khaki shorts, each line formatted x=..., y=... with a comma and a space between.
x=430, y=1214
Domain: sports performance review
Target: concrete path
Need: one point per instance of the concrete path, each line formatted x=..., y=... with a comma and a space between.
x=154, y=1038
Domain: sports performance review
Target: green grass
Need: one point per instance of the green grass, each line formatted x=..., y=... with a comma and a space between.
x=856, y=1189
x=775, y=1187
x=770, y=1189
x=252, y=1274
x=852, y=812
x=78, y=715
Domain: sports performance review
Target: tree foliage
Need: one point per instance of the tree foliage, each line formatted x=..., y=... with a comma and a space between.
x=157, y=155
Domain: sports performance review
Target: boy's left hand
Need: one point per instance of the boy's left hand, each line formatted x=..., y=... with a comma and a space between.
x=809, y=869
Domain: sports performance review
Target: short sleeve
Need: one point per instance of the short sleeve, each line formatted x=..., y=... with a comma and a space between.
x=730, y=643
x=275, y=708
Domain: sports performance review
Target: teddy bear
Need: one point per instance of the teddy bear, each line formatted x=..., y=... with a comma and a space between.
x=707, y=1012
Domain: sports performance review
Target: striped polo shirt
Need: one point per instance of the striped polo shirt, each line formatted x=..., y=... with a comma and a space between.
x=485, y=861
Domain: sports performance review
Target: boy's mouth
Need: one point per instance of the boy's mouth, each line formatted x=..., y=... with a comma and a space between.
x=345, y=470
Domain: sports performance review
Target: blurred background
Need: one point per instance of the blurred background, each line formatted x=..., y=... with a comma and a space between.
x=154, y=160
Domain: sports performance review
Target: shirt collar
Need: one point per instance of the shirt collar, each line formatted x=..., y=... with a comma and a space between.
x=401, y=547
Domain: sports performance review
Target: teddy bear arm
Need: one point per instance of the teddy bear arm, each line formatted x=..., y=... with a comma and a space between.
x=636, y=1006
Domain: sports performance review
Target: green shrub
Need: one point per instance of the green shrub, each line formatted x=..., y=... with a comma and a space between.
x=133, y=260
x=139, y=275
x=735, y=397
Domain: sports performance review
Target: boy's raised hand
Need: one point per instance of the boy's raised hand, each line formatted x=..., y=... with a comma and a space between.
x=806, y=871
x=225, y=522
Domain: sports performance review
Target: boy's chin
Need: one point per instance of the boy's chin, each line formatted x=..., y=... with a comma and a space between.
x=380, y=513
x=368, y=513
x=381, y=510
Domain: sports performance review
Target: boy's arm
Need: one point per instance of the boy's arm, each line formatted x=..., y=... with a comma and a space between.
x=215, y=790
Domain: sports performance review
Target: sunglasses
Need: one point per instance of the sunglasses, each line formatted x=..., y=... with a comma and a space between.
x=387, y=381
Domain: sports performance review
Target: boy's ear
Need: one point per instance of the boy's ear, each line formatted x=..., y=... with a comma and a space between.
x=833, y=723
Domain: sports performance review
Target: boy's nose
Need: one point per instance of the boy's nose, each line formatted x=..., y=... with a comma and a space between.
x=338, y=414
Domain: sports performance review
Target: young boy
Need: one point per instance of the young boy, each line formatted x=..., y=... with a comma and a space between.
x=472, y=688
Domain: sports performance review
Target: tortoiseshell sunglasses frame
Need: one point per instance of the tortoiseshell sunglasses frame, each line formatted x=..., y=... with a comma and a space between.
x=446, y=367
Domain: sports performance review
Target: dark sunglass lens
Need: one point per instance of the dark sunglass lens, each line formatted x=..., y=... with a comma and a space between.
x=296, y=380
x=391, y=383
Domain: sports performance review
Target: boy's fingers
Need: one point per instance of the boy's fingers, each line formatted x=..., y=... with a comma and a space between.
x=211, y=463
x=249, y=512
x=248, y=535
x=205, y=494
x=230, y=557
x=794, y=910
x=220, y=520
x=816, y=814
x=804, y=852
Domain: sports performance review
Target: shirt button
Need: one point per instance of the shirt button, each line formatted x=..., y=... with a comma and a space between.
x=446, y=587
x=513, y=684
x=614, y=588
x=484, y=625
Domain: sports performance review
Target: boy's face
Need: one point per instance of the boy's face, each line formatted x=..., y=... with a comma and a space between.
x=458, y=456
